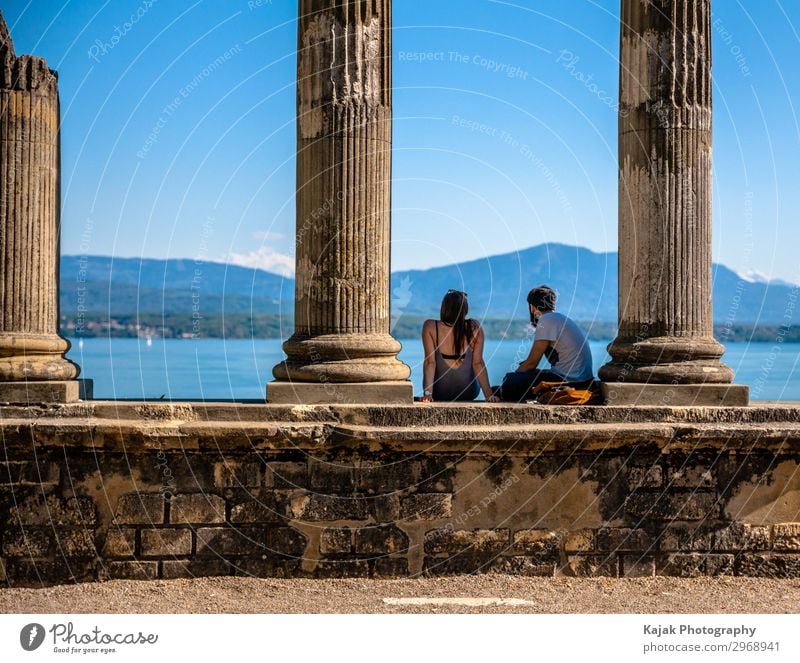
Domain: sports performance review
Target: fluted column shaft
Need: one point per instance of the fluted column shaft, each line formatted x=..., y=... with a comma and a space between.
x=344, y=140
x=30, y=347
x=665, y=318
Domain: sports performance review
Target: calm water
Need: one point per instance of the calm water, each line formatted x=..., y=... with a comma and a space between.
x=239, y=369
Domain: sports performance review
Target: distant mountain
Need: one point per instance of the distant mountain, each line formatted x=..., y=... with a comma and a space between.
x=122, y=286
x=754, y=276
x=739, y=301
x=497, y=285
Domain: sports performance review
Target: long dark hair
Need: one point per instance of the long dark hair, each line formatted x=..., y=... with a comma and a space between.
x=454, y=313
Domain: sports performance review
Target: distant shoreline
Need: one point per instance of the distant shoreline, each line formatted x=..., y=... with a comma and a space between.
x=273, y=326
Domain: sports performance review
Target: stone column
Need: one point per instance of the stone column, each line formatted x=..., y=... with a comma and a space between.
x=32, y=363
x=665, y=324
x=341, y=350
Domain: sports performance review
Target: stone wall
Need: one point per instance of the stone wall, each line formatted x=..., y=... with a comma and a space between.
x=97, y=491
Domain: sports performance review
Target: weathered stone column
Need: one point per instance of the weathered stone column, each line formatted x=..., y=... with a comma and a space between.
x=665, y=323
x=32, y=363
x=341, y=349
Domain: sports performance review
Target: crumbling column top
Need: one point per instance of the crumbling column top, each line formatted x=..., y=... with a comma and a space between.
x=24, y=72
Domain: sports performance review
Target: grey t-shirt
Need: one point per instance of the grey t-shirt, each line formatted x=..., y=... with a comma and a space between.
x=569, y=353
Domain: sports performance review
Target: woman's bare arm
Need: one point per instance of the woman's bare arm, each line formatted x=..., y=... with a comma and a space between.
x=479, y=366
x=429, y=364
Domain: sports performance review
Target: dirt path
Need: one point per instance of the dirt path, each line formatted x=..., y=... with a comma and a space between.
x=504, y=594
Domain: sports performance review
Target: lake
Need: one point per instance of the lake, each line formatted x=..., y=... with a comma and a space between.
x=214, y=369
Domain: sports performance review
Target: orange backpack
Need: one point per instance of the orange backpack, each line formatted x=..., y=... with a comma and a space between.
x=561, y=393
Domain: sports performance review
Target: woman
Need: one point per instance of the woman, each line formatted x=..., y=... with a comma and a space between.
x=454, y=365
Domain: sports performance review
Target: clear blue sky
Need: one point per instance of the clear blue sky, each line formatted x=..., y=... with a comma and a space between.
x=178, y=128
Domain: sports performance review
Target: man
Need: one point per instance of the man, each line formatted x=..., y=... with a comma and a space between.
x=558, y=339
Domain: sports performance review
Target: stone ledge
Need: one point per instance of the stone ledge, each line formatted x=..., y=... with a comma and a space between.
x=314, y=393
x=58, y=391
x=691, y=395
x=431, y=414
x=199, y=437
x=579, y=436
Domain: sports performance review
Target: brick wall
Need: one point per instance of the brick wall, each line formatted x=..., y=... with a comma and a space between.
x=73, y=513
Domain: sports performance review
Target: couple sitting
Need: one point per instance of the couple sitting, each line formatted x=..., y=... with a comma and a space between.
x=454, y=367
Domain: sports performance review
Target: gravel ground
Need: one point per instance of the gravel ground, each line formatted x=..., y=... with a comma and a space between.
x=547, y=595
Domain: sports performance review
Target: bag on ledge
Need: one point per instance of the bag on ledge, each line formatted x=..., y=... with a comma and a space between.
x=566, y=393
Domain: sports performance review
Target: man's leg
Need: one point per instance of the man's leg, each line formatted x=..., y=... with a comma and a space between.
x=517, y=386
x=520, y=384
x=547, y=376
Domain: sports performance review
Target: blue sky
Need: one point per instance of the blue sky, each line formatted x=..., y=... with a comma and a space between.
x=178, y=127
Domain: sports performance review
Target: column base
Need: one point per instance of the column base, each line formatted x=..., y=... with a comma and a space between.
x=668, y=395
x=35, y=358
x=667, y=360
x=37, y=393
x=341, y=358
x=342, y=393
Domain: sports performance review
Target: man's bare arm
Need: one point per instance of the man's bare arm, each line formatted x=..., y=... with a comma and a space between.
x=532, y=362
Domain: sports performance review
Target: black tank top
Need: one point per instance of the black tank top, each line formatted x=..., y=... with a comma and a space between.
x=460, y=357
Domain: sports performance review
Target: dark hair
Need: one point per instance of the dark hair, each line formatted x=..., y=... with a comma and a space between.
x=543, y=298
x=454, y=313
